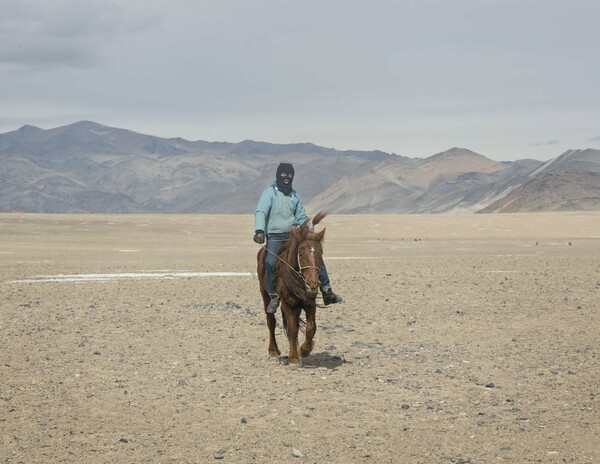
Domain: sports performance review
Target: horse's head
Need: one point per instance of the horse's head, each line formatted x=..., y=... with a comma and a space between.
x=310, y=258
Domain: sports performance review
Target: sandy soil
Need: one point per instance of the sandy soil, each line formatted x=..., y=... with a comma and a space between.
x=462, y=339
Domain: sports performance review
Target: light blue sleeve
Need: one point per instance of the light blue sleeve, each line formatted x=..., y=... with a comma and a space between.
x=263, y=209
x=301, y=215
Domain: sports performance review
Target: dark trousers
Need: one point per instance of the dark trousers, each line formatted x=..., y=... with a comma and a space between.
x=274, y=244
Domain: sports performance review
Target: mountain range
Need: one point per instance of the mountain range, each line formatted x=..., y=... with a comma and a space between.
x=87, y=167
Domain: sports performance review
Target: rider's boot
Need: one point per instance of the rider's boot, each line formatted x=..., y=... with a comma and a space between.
x=329, y=297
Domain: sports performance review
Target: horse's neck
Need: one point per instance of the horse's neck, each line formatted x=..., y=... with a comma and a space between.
x=289, y=255
x=290, y=259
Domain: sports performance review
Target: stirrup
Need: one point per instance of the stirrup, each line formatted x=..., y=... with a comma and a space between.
x=273, y=304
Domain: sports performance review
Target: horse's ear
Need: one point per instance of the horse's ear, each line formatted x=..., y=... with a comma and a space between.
x=321, y=235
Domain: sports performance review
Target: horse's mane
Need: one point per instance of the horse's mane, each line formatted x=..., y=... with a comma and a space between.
x=289, y=253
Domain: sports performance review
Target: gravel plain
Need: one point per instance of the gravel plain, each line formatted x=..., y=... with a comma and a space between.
x=461, y=339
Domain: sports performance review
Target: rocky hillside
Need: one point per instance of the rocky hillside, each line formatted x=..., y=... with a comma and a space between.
x=570, y=182
x=552, y=191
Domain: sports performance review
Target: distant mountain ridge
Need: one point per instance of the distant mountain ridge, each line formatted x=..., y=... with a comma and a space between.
x=570, y=182
x=87, y=167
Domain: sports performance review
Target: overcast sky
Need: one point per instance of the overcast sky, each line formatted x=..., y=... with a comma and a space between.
x=507, y=79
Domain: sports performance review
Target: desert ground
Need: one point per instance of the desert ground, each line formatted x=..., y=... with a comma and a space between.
x=461, y=339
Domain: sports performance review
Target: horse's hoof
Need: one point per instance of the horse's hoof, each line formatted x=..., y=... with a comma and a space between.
x=305, y=350
x=273, y=359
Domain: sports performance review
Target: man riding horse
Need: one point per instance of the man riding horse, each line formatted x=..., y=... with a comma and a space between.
x=279, y=210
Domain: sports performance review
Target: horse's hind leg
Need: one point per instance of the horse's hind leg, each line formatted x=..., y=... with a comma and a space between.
x=310, y=330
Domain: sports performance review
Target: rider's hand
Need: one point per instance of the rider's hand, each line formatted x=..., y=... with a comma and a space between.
x=259, y=236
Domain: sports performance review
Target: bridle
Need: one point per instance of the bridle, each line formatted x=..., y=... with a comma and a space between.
x=309, y=266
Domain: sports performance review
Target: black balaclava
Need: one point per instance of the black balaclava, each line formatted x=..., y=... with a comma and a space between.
x=284, y=184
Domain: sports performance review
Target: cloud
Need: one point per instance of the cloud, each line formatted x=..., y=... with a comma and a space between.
x=595, y=139
x=35, y=34
x=546, y=143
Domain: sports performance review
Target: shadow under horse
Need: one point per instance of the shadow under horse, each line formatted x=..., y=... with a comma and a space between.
x=297, y=280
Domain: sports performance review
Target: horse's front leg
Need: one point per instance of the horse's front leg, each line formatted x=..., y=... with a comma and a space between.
x=293, y=322
x=311, y=329
x=273, y=348
x=271, y=323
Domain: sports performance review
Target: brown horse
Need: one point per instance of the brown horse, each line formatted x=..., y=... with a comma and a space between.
x=297, y=285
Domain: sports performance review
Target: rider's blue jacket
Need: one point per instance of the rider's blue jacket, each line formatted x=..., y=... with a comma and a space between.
x=277, y=213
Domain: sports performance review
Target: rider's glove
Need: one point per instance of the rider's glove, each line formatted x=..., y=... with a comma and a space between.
x=259, y=236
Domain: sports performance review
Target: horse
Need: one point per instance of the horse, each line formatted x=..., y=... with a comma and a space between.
x=297, y=280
